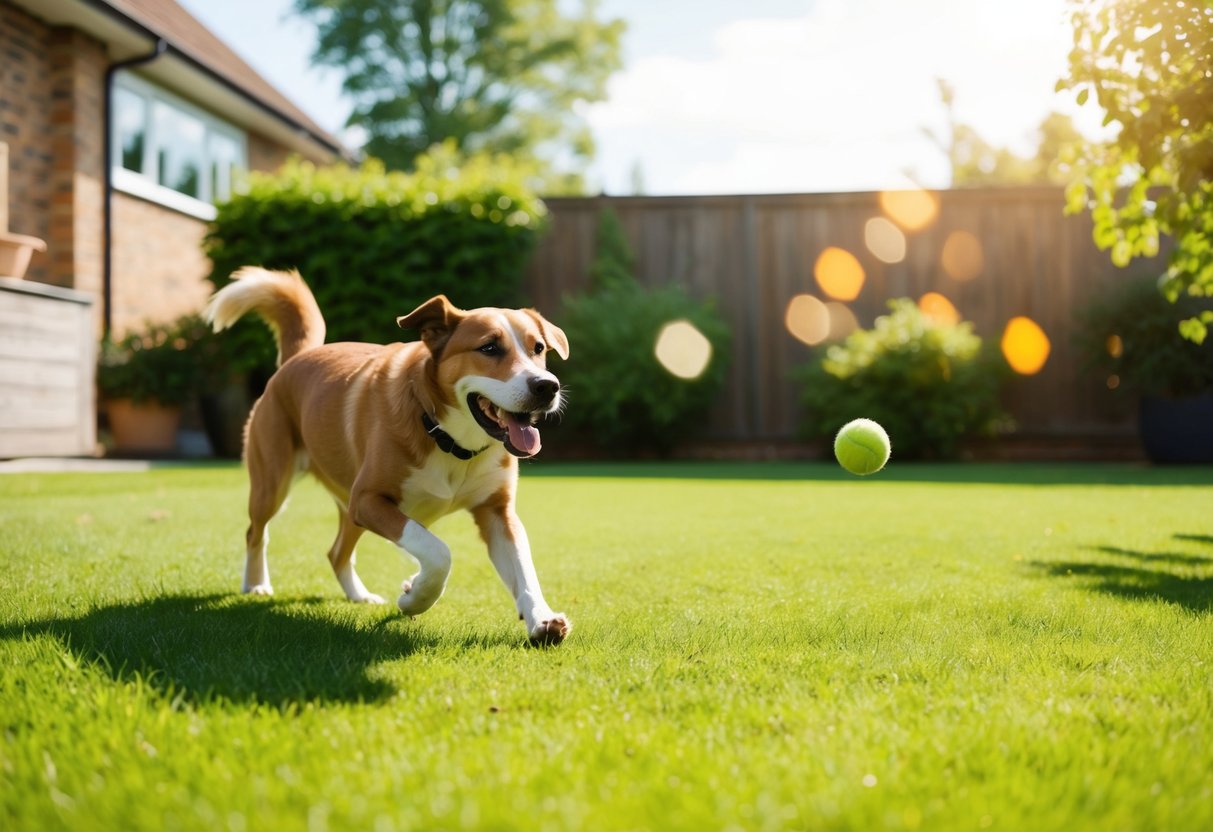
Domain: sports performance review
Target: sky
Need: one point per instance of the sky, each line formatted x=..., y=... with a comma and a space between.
x=763, y=96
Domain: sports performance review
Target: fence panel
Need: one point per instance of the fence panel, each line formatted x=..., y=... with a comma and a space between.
x=754, y=253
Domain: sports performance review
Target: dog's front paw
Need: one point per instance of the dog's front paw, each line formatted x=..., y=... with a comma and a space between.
x=552, y=630
x=259, y=589
x=369, y=598
x=416, y=598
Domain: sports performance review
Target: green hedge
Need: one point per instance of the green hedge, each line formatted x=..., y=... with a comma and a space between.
x=930, y=385
x=373, y=245
x=621, y=400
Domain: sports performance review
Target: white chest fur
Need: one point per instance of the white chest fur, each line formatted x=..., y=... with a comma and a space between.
x=446, y=484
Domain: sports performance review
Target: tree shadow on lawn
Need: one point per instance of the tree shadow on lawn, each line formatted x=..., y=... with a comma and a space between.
x=243, y=649
x=1150, y=580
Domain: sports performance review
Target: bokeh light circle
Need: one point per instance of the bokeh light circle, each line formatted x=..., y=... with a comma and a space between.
x=938, y=309
x=683, y=350
x=1025, y=346
x=963, y=257
x=839, y=274
x=884, y=240
x=807, y=319
x=912, y=210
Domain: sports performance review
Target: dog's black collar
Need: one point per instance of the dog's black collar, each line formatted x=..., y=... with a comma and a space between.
x=444, y=440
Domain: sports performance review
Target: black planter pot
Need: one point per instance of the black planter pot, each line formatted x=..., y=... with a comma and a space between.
x=1178, y=430
x=223, y=417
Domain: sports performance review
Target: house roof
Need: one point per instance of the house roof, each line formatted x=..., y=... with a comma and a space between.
x=195, y=63
x=169, y=20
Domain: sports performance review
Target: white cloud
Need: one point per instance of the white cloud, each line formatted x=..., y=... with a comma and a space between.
x=834, y=100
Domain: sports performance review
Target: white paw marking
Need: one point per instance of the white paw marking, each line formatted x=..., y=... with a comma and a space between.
x=260, y=589
x=551, y=630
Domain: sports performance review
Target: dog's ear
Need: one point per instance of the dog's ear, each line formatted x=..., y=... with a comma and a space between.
x=435, y=320
x=554, y=336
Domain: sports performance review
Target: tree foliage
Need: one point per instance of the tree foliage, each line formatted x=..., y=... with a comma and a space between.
x=502, y=76
x=976, y=163
x=1149, y=66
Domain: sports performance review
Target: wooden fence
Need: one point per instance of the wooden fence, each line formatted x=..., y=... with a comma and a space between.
x=754, y=253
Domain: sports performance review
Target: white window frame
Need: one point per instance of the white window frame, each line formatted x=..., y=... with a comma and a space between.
x=143, y=184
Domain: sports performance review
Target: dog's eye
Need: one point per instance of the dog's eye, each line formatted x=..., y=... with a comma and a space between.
x=538, y=347
x=492, y=348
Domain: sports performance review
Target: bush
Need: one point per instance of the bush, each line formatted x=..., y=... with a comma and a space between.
x=373, y=245
x=1151, y=357
x=156, y=364
x=620, y=396
x=930, y=385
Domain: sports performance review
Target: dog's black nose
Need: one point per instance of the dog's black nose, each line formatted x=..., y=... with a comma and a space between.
x=544, y=389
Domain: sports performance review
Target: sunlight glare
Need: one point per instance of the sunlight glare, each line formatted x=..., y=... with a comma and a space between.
x=912, y=210
x=683, y=350
x=884, y=240
x=938, y=309
x=1025, y=346
x=842, y=321
x=839, y=273
x=962, y=257
x=807, y=319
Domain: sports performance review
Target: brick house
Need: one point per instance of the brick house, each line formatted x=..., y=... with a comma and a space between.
x=186, y=113
x=123, y=122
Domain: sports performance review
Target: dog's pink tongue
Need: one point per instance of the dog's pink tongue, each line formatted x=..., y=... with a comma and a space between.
x=524, y=436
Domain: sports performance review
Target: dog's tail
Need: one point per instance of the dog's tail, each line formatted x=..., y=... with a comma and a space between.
x=282, y=300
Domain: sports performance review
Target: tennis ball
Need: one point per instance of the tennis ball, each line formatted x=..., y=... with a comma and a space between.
x=862, y=447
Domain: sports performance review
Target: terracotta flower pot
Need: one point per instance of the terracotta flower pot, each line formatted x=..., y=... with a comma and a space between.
x=15, y=253
x=148, y=427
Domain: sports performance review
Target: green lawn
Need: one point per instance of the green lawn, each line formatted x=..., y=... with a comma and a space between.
x=755, y=647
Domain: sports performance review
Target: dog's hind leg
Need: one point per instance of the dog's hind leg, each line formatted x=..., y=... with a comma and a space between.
x=271, y=467
x=342, y=557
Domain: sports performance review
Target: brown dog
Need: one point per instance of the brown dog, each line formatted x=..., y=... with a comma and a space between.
x=401, y=435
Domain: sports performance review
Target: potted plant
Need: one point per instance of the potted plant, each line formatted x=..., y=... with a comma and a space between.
x=1131, y=335
x=228, y=382
x=144, y=379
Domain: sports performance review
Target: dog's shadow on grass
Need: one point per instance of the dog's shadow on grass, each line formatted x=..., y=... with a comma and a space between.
x=1146, y=576
x=245, y=649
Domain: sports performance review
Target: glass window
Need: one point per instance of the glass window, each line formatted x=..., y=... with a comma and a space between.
x=130, y=122
x=226, y=156
x=162, y=142
x=180, y=149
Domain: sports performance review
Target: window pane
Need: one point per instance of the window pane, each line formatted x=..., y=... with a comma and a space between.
x=225, y=158
x=180, y=150
x=130, y=122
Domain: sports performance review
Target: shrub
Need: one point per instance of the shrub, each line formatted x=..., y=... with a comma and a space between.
x=373, y=245
x=620, y=396
x=929, y=384
x=1149, y=354
x=155, y=364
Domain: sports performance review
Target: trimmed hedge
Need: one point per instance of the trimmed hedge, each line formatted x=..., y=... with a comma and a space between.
x=929, y=385
x=373, y=245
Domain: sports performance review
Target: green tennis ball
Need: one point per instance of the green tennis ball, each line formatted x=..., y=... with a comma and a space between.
x=862, y=447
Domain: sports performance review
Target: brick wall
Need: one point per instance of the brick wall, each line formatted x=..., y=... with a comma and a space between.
x=264, y=154
x=77, y=145
x=159, y=268
x=51, y=116
x=25, y=91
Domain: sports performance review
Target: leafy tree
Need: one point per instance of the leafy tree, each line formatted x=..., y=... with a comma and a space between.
x=501, y=76
x=976, y=162
x=1149, y=64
